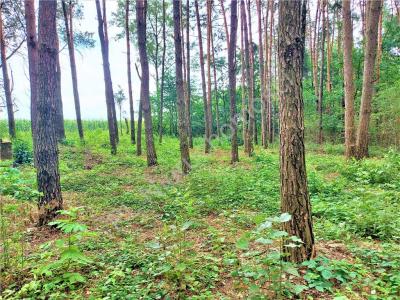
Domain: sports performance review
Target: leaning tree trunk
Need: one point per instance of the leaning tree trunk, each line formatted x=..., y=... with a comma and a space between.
x=70, y=40
x=180, y=101
x=232, y=80
x=374, y=10
x=48, y=176
x=294, y=193
x=207, y=118
x=6, y=80
x=112, y=129
x=141, y=12
x=129, y=73
x=32, y=45
x=349, y=136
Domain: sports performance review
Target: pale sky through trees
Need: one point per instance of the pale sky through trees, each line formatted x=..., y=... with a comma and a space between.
x=90, y=74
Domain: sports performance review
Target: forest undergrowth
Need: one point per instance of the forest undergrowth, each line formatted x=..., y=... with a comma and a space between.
x=133, y=232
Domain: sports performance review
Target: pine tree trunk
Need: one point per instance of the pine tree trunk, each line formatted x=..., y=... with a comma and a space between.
x=207, y=118
x=349, y=136
x=180, y=102
x=232, y=80
x=243, y=82
x=141, y=12
x=264, y=104
x=48, y=176
x=249, y=76
x=112, y=129
x=70, y=41
x=129, y=73
x=269, y=83
x=315, y=50
x=59, y=118
x=329, y=52
x=215, y=86
x=160, y=113
x=225, y=23
x=188, y=87
x=373, y=13
x=379, y=49
x=139, y=129
x=32, y=45
x=6, y=80
x=294, y=193
x=321, y=76
x=209, y=90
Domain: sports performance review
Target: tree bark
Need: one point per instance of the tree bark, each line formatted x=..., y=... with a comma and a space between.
x=111, y=117
x=215, y=85
x=373, y=12
x=349, y=136
x=6, y=80
x=294, y=193
x=249, y=76
x=139, y=129
x=59, y=118
x=207, y=118
x=141, y=12
x=264, y=104
x=243, y=82
x=160, y=116
x=48, y=176
x=70, y=40
x=269, y=77
x=209, y=90
x=129, y=73
x=321, y=76
x=188, y=87
x=232, y=81
x=225, y=23
x=33, y=56
x=180, y=101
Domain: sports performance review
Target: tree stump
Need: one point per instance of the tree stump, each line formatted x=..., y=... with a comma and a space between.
x=5, y=150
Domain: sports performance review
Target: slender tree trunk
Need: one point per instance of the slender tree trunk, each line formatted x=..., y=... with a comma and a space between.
x=106, y=40
x=188, y=87
x=70, y=40
x=180, y=102
x=139, y=129
x=6, y=79
x=379, y=49
x=209, y=90
x=264, y=104
x=48, y=176
x=129, y=72
x=215, y=85
x=207, y=118
x=315, y=50
x=249, y=77
x=269, y=82
x=329, y=51
x=252, y=116
x=348, y=78
x=373, y=12
x=160, y=114
x=141, y=12
x=32, y=45
x=321, y=76
x=232, y=80
x=112, y=129
x=294, y=193
x=225, y=23
x=243, y=81
x=59, y=118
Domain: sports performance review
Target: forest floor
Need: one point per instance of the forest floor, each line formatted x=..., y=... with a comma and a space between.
x=150, y=233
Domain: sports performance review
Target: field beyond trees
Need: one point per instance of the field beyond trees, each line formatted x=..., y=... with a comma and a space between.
x=135, y=232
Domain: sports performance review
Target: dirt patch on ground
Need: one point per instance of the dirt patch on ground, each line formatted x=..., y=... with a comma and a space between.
x=91, y=159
